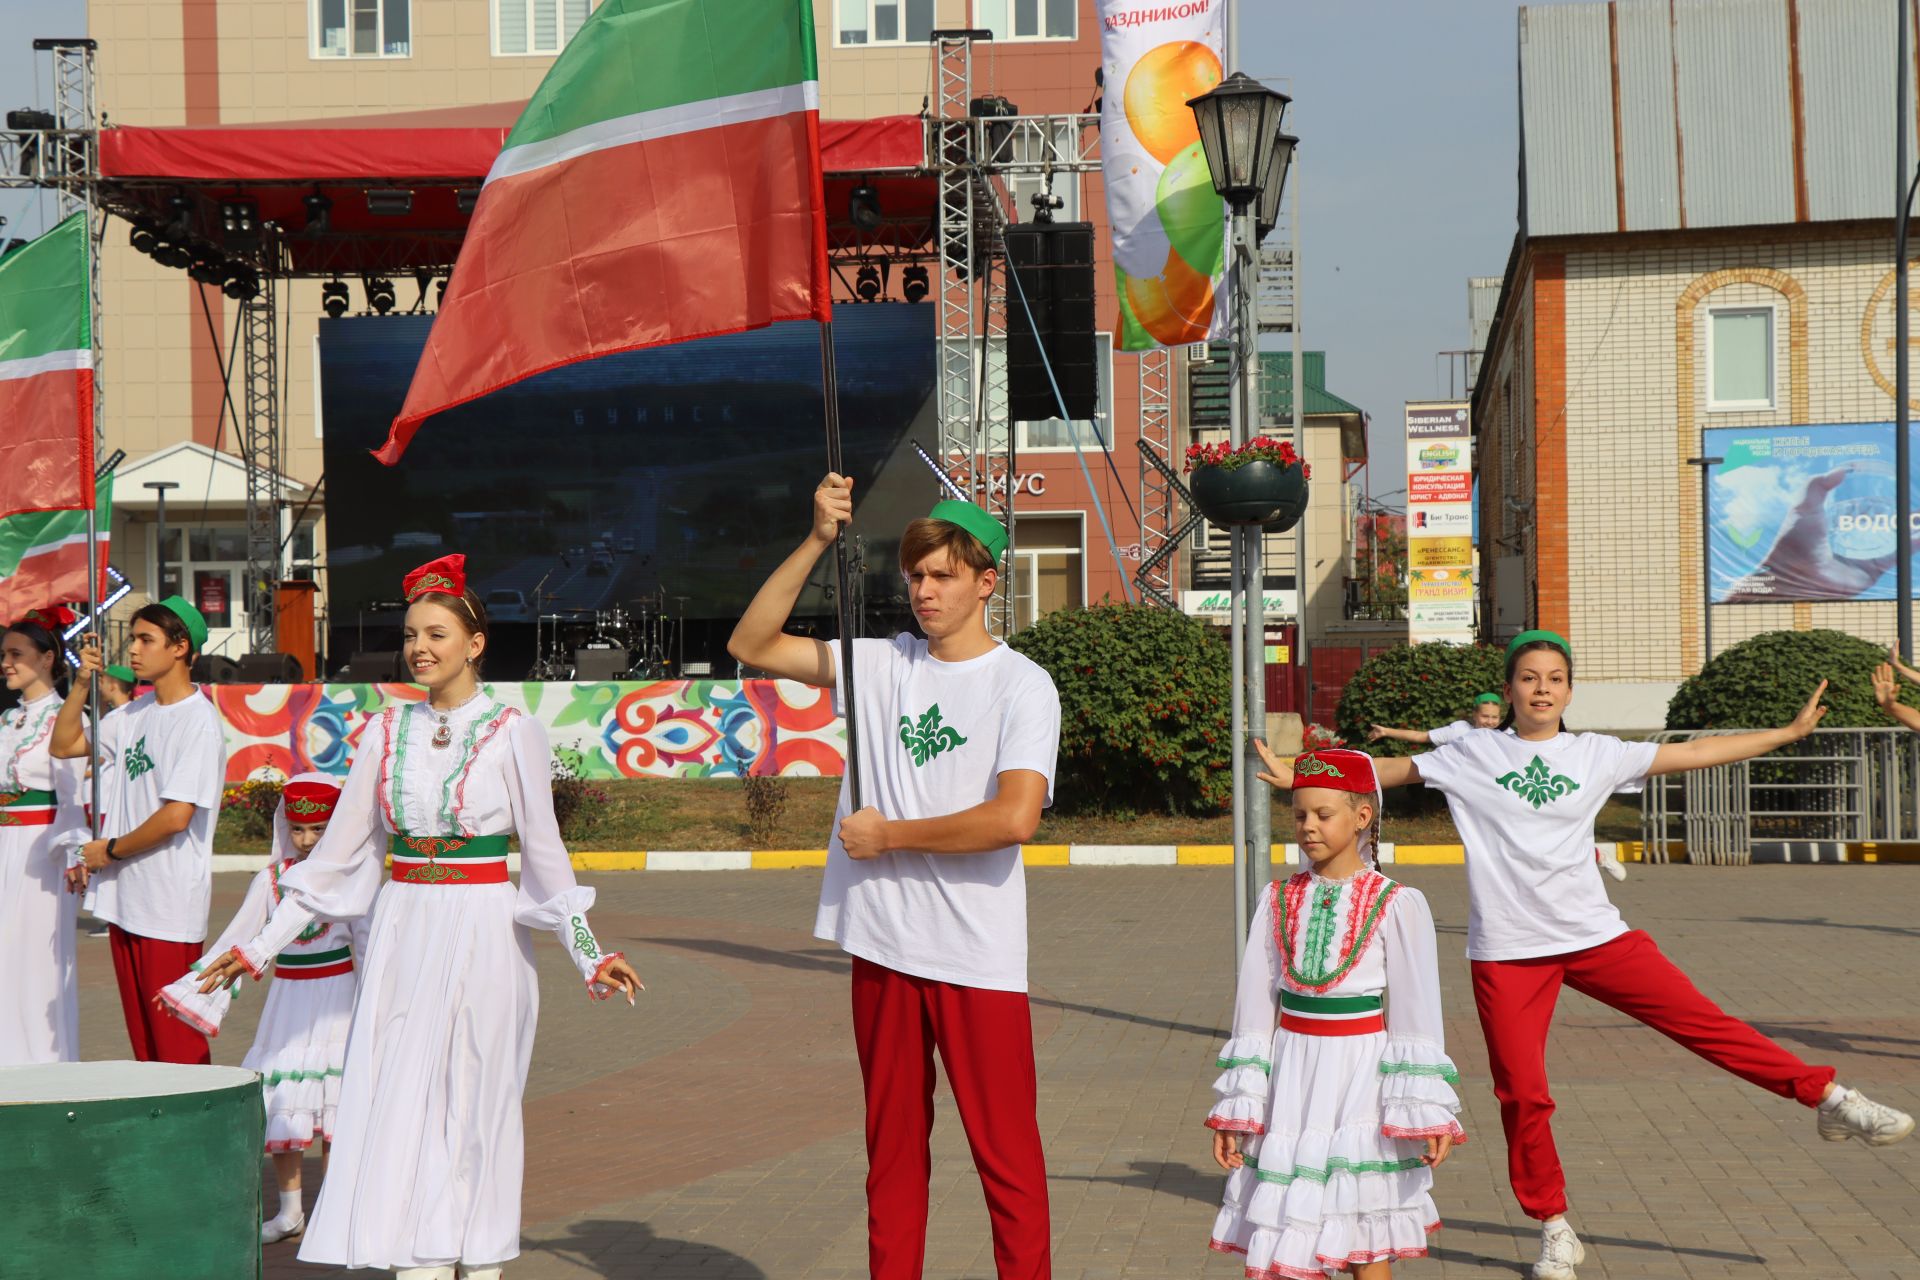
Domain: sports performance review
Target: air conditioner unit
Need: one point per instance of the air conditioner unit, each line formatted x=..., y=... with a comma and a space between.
x=1199, y=353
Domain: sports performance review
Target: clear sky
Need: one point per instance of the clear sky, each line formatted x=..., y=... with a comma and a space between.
x=1406, y=110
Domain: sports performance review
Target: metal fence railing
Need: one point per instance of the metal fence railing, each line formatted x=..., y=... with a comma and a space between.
x=1834, y=787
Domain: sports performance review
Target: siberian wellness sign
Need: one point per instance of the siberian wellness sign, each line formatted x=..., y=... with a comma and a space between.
x=1439, y=521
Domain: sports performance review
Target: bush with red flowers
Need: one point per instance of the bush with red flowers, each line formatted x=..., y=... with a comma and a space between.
x=1259, y=449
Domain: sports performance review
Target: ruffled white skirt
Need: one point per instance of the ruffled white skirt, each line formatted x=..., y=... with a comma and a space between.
x=39, y=982
x=428, y=1150
x=1324, y=1188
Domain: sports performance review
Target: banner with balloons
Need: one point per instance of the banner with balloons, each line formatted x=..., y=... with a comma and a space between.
x=1169, y=225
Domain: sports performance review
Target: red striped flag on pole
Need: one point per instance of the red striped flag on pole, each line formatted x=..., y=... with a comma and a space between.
x=46, y=408
x=662, y=185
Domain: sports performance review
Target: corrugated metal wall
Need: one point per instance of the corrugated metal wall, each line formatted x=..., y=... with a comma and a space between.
x=1728, y=111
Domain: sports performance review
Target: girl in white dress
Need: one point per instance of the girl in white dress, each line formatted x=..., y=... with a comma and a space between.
x=428, y=1151
x=300, y=1047
x=39, y=1009
x=1336, y=1093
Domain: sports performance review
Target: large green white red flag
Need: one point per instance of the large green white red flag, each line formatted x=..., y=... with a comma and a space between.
x=46, y=421
x=662, y=185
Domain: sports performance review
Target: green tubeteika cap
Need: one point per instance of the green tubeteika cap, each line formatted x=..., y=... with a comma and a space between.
x=195, y=621
x=991, y=533
x=123, y=674
x=1487, y=697
x=1553, y=638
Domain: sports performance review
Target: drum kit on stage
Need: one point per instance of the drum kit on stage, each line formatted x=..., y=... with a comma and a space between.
x=644, y=642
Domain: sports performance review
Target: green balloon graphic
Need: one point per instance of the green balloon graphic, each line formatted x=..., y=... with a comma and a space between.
x=1192, y=212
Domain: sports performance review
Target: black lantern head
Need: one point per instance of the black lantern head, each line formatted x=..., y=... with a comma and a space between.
x=1239, y=121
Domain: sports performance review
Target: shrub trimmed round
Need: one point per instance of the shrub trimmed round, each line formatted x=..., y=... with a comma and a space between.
x=1763, y=682
x=1420, y=686
x=1145, y=711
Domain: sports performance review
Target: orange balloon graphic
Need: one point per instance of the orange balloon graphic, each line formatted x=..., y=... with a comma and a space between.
x=1157, y=91
x=1175, y=306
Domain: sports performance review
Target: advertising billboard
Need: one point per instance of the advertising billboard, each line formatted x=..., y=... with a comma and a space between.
x=1439, y=522
x=1801, y=513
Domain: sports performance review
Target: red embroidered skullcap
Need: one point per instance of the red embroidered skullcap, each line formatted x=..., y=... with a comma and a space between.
x=448, y=574
x=1338, y=769
x=309, y=802
x=54, y=617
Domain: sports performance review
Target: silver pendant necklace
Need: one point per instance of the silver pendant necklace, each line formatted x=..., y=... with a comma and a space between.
x=442, y=731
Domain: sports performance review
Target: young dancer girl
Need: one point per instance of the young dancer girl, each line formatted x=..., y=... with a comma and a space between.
x=428, y=1150
x=1332, y=1115
x=300, y=1047
x=39, y=1008
x=1525, y=803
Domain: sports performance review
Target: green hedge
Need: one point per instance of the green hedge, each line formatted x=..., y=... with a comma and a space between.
x=1144, y=708
x=1763, y=682
x=1416, y=686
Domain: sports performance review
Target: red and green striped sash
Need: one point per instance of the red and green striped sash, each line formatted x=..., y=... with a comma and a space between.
x=448, y=860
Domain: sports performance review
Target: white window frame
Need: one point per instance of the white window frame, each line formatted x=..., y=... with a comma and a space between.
x=1041, y=8
x=316, y=53
x=559, y=26
x=903, y=40
x=1025, y=579
x=1772, y=313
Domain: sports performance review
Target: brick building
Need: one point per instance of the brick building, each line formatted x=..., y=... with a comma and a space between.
x=1703, y=243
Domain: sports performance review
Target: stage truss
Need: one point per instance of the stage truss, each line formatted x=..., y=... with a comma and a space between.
x=970, y=158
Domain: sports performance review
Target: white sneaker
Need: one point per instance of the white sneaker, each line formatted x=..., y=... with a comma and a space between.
x=1560, y=1252
x=1858, y=1116
x=274, y=1230
x=1613, y=867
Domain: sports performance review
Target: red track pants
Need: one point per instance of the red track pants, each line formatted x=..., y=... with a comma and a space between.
x=985, y=1040
x=143, y=966
x=1516, y=998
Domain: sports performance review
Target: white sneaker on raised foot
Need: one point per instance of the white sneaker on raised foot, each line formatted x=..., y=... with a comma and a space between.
x=274, y=1230
x=424, y=1273
x=1858, y=1116
x=1613, y=867
x=479, y=1273
x=1560, y=1252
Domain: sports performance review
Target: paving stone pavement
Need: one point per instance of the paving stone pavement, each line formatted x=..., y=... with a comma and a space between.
x=713, y=1134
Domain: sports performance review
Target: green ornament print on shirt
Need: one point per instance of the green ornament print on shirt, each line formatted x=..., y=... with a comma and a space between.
x=928, y=738
x=137, y=759
x=1538, y=785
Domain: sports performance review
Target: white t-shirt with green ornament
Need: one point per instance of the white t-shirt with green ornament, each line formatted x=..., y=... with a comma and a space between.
x=1525, y=811
x=934, y=739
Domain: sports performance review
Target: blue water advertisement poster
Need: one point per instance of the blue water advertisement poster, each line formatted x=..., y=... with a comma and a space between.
x=1802, y=513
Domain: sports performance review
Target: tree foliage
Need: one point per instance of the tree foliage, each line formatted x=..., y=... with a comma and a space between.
x=1416, y=686
x=1144, y=708
x=1763, y=682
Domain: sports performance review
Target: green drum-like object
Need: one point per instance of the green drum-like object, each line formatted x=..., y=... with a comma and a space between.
x=130, y=1171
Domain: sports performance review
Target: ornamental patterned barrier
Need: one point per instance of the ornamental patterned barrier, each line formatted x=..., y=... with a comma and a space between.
x=608, y=729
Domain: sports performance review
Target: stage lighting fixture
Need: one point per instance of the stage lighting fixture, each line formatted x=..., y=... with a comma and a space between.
x=334, y=299
x=207, y=271
x=239, y=221
x=143, y=240
x=179, y=212
x=867, y=284
x=863, y=208
x=27, y=119
x=466, y=197
x=319, y=212
x=914, y=284
x=389, y=202
x=380, y=296
x=170, y=253
x=440, y=293
x=242, y=284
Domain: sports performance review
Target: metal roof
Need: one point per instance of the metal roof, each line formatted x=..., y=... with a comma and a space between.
x=1656, y=115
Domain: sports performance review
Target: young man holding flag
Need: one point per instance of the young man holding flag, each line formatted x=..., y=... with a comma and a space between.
x=924, y=885
x=150, y=875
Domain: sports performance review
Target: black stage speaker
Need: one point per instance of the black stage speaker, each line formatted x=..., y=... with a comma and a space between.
x=213, y=668
x=600, y=664
x=1052, y=265
x=377, y=667
x=268, y=668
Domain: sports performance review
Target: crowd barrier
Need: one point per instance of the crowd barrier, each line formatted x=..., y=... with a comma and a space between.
x=606, y=729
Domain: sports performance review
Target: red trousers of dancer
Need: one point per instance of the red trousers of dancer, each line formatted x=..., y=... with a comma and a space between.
x=1515, y=999
x=985, y=1039
x=142, y=966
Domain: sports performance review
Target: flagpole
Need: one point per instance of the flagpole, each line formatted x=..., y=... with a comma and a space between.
x=843, y=595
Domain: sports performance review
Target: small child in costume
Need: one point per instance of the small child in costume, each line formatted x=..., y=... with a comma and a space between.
x=1336, y=1098
x=301, y=1044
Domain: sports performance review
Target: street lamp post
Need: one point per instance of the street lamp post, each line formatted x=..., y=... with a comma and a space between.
x=1247, y=155
x=1706, y=466
x=160, y=488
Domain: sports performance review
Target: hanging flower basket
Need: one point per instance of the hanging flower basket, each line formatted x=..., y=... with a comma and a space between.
x=1263, y=482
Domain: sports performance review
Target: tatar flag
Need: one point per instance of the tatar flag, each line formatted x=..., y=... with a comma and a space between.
x=46, y=420
x=663, y=184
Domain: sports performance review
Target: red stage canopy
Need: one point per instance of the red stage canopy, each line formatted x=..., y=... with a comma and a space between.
x=434, y=155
